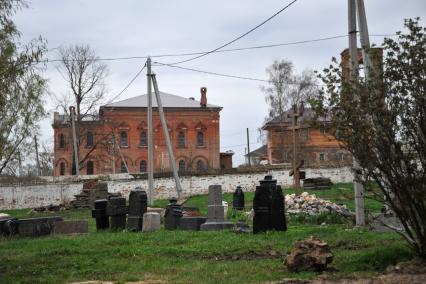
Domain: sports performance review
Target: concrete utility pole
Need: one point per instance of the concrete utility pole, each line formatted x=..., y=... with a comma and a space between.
x=295, y=168
x=166, y=135
x=150, y=134
x=37, y=158
x=248, y=148
x=353, y=71
x=113, y=152
x=74, y=138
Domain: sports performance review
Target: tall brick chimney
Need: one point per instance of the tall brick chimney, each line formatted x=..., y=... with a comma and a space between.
x=203, y=101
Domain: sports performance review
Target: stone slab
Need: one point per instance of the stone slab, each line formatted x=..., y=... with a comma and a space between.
x=215, y=195
x=191, y=223
x=216, y=225
x=215, y=212
x=151, y=222
x=35, y=227
x=74, y=227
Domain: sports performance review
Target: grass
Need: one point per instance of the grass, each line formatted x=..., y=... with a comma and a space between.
x=186, y=256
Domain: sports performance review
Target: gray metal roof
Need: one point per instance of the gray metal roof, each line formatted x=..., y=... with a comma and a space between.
x=168, y=101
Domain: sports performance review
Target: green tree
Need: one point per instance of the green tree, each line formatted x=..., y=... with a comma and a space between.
x=21, y=88
x=382, y=122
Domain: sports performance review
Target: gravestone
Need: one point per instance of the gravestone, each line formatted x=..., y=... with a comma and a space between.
x=215, y=214
x=117, y=210
x=173, y=215
x=74, y=227
x=191, y=223
x=268, y=206
x=151, y=222
x=9, y=226
x=138, y=204
x=35, y=227
x=100, y=214
x=238, y=199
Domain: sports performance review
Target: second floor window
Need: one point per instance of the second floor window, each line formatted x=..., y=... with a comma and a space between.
x=181, y=139
x=61, y=141
x=123, y=139
x=89, y=139
x=142, y=139
x=200, y=139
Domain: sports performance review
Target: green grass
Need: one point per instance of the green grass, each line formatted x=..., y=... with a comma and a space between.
x=191, y=257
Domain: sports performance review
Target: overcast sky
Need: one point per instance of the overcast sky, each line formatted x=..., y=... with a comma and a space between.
x=137, y=28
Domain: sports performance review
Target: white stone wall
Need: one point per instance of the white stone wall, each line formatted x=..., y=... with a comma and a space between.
x=14, y=197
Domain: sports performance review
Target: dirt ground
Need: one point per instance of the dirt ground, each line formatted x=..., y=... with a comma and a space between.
x=410, y=272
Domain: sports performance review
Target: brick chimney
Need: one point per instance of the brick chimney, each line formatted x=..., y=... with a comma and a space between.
x=203, y=101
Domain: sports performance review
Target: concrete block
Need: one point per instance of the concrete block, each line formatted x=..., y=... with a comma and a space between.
x=151, y=222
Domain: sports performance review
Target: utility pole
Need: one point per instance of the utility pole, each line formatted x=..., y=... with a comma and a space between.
x=74, y=138
x=113, y=151
x=166, y=135
x=37, y=158
x=353, y=71
x=248, y=148
x=295, y=165
x=150, y=134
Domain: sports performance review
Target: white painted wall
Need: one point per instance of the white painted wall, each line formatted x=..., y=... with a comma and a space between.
x=30, y=196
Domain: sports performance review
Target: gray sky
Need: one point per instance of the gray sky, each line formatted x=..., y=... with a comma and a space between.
x=137, y=28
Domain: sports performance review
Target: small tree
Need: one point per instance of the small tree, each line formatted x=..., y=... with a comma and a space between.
x=285, y=88
x=21, y=88
x=382, y=122
x=85, y=76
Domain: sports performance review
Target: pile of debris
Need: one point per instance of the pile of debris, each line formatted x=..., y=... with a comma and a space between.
x=92, y=190
x=311, y=205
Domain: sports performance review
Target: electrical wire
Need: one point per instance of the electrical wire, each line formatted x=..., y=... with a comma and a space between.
x=240, y=37
x=127, y=86
x=218, y=51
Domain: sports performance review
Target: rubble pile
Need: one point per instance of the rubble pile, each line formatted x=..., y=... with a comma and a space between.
x=92, y=190
x=312, y=205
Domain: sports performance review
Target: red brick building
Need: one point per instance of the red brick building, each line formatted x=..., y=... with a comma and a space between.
x=118, y=138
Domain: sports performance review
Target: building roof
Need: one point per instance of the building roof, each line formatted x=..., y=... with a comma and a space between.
x=306, y=118
x=261, y=151
x=167, y=100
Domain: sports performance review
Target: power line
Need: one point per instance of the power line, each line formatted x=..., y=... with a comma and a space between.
x=217, y=51
x=127, y=86
x=210, y=73
x=241, y=36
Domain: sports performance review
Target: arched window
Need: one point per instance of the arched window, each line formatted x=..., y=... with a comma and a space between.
x=62, y=168
x=142, y=166
x=181, y=166
x=200, y=139
x=61, y=141
x=89, y=168
x=181, y=139
x=123, y=168
x=142, y=139
x=123, y=139
x=89, y=139
x=200, y=166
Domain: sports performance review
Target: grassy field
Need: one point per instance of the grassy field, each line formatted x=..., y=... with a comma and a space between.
x=187, y=257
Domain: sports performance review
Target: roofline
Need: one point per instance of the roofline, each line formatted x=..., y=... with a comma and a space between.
x=165, y=108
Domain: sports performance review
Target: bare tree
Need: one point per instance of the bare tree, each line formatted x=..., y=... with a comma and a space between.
x=85, y=75
x=285, y=88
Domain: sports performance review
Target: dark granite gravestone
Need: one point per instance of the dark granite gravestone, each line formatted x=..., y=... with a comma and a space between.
x=138, y=204
x=172, y=215
x=191, y=223
x=9, y=226
x=215, y=214
x=268, y=206
x=71, y=227
x=238, y=199
x=117, y=210
x=102, y=219
x=35, y=227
